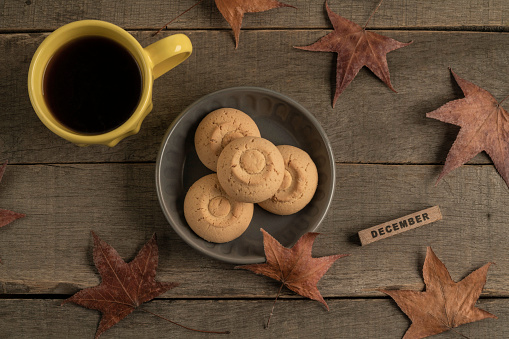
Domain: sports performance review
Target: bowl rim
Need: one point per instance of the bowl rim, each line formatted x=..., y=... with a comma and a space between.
x=180, y=117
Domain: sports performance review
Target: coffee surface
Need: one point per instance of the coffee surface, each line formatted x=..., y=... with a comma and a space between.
x=92, y=85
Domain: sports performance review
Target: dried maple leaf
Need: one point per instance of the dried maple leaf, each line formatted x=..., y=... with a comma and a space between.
x=356, y=48
x=294, y=267
x=233, y=11
x=445, y=304
x=6, y=216
x=124, y=287
x=484, y=127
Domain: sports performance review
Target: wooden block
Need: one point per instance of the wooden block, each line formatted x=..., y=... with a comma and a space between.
x=400, y=225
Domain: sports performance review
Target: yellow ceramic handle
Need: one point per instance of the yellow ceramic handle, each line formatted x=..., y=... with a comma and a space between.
x=167, y=53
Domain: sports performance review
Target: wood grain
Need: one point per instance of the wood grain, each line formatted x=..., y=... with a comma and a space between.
x=50, y=251
x=370, y=124
x=20, y=15
x=296, y=319
x=386, y=152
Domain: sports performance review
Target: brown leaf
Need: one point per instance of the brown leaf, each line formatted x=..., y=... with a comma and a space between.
x=294, y=267
x=6, y=216
x=445, y=304
x=124, y=287
x=484, y=127
x=356, y=48
x=233, y=11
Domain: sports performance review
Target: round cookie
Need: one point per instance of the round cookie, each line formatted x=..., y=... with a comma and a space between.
x=299, y=184
x=212, y=214
x=250, y=169
x=218, y=129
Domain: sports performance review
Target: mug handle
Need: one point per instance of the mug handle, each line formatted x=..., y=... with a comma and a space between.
x=167, y=53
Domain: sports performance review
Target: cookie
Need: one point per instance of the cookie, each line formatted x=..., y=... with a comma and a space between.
x=299, y=183
x=216, y=131
x=250, y=169
x=212, y=214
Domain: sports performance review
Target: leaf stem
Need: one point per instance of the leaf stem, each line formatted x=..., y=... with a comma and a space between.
x=178, y=16
x=273, y=305
x=461, y=334
x=373, y=13
x=500, y=103
x=187, y=328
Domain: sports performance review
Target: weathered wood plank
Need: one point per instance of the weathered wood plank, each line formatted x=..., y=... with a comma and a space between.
x=50, y=251
x=48, y=15
x=21, y=318
x=370, y=124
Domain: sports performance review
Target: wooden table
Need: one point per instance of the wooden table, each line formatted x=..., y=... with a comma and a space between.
x=388, y=156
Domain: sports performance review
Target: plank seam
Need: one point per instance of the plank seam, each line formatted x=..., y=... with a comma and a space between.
x=65, y=296
x=436, y=29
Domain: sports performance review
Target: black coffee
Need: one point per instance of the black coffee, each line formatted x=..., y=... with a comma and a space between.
x=92, y=85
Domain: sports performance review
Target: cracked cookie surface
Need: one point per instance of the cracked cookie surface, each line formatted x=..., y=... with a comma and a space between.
x=250, y=169
x=218, y=129
x=212, y=214
x=299, y=183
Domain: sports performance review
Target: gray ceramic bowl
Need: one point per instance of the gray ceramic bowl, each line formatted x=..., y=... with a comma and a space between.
x=280, y=120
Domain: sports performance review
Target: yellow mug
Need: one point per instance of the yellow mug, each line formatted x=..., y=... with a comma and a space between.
x=153, y=61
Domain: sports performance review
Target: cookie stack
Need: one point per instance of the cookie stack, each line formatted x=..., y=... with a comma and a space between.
x=250, y=169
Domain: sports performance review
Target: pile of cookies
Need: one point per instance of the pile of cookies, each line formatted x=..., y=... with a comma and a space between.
x=250, y=169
